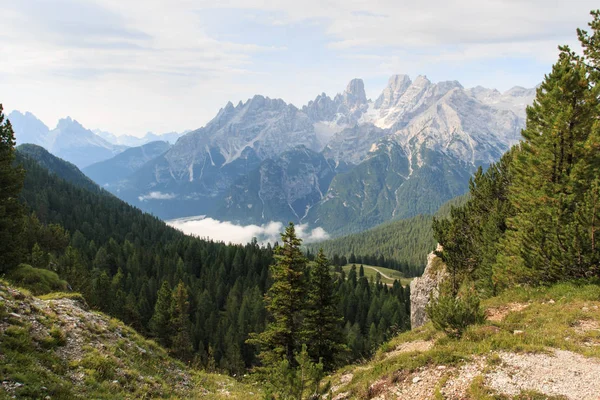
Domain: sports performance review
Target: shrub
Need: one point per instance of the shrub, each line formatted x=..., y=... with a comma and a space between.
x=453, y=314
x=38, y=280
x=56, y=337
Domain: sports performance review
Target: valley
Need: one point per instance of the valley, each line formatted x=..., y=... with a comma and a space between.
x=343, y=164
x=430, y=240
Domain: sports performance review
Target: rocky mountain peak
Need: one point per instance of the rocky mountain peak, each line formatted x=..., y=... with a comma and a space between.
x=67, y=123
x=519, y=91
x=355, y=95
x=397, y=85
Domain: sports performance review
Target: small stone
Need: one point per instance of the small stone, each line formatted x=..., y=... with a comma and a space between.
x=115, y=381
x=551, y=301
x=441, y=367
x=416, y=379
x=518, y=332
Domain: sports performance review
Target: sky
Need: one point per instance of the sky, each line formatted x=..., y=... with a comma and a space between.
x=129, y=67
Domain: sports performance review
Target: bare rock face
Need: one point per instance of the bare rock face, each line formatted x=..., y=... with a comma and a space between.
x=422, y=288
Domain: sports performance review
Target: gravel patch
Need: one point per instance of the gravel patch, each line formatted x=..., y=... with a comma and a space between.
x=562, y=373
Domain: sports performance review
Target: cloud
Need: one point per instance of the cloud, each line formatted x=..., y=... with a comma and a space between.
x=229, y=232
x=157, y=196
x=134, y=66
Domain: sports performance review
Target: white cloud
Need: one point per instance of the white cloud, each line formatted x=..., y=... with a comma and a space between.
x=134, y=66
x=231, y=233
x=157, y=196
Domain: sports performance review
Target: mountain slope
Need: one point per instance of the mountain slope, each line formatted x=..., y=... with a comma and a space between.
x=69, y=140
x=537, y=343
x=234, y=167
x=386, y=187
x=439, y=133
x=402, y=244
x=55, y=347
x=111, y=171
x=285, y=187
x=63, y=169
x=29, y=129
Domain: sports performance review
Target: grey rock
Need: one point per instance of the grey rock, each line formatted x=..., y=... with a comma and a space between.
x=421, y=289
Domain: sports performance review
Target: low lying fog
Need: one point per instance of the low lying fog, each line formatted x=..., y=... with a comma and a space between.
x=230, y=233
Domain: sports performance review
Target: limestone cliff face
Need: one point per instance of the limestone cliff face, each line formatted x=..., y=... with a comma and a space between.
x=422, y=288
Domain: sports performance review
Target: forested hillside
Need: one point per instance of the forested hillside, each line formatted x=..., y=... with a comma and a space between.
x=401, y=245
x=199, y=298
x=533, y=217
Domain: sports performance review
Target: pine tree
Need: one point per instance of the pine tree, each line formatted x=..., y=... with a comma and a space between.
x=180, y=323
x=284, y=302
x=322, y=323
x=160, y=323
x=546, y=190
x=11, y=212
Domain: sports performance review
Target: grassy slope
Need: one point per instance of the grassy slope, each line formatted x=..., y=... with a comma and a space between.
x=371, y=272
x=53, y=346
x=549, y=320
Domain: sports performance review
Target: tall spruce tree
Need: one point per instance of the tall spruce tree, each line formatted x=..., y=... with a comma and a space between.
x=160, y=323
x=284, y=302
x=322, y=323
x=541, y=244
x=180, y=325
x=11, y=213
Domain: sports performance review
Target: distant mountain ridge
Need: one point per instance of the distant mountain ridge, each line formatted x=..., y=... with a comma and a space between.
x=110, y=172
x=69, y=140
x=135, y=141
x=75, y=143
x=345, y=163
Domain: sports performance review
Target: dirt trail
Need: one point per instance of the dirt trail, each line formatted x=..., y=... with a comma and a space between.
x=382, y=274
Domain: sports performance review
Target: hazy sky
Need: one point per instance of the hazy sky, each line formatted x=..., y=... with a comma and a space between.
x=129, y=66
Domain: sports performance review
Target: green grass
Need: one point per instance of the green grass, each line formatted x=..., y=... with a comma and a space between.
x=38, y=280
x=371, y=273
x=115, y=363
x=546, y=324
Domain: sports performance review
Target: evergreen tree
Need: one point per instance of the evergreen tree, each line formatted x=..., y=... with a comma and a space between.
x=322, y=330
x=160, y=323
x=540, y=245
x=11, y=214
x=180, y=326
x=284, y=302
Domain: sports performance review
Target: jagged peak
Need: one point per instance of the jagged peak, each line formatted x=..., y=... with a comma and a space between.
x=421, y=80
x=355, y=92
x=68, y=122
x=396, y=86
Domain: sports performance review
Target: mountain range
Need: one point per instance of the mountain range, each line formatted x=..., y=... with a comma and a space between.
x=345, y=163
x=73, y=142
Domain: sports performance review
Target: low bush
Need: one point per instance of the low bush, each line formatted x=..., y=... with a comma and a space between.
x=37, y=280
x=453, y=314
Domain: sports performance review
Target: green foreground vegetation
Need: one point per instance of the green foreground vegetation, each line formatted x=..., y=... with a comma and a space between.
x=53, y=346
x=549, y=318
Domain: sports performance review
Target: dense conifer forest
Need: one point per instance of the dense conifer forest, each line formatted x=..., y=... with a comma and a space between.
x=201, y=299
x=402, y=245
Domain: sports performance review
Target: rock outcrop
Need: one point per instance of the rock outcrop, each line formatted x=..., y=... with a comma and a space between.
x=422, y=288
